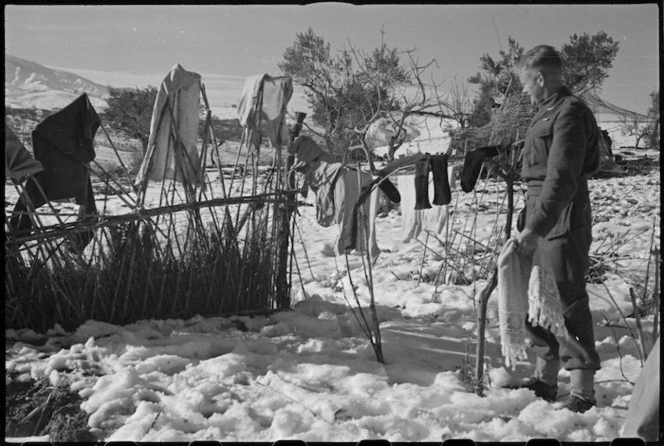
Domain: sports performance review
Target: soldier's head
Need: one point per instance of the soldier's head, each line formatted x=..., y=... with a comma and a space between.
x=540, y=72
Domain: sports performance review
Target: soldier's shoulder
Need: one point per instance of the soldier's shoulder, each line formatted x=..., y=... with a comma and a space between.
x=575, y=102
x=572, y=105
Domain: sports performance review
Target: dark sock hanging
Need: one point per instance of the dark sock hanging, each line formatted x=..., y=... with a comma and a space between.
x=390, y=190
x=472, y=165
x=442, y=193
x=422, y=184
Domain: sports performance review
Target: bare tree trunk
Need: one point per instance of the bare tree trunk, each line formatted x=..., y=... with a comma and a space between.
x=481, y=331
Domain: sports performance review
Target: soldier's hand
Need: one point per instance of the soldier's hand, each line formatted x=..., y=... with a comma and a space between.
x=527, y=242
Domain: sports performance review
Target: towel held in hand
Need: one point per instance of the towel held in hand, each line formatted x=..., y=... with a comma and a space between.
x=526, y=289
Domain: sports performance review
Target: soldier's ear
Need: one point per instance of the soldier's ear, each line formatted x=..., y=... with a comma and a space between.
x=539, y=78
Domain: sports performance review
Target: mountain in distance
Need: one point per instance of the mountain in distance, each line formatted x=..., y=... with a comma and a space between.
x=32, y=85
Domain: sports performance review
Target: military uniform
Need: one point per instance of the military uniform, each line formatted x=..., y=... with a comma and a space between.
x=561, y=149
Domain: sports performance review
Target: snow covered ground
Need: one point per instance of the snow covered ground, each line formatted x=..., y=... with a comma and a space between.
x=311, y=374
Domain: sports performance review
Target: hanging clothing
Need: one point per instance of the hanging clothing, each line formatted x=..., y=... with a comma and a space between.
x=422, y=184
x=442, y=193
x=19, y=163
x=415, y=221
x=322, y=176
x=246, y=106
x=389, y=189
x=472, y=165
x=307, y=150
x=368, y=189
x=262, y=108
x=64, y=144
x=451, y=176
x=385, y=185
x=171, y=151
x=346, y=195
x=526, y=287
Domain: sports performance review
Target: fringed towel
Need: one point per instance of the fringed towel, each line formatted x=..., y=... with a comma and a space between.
x=512, y=302
x=526, y=287
x=545, y=308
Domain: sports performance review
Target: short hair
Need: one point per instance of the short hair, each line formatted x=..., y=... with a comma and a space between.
x=542, y=57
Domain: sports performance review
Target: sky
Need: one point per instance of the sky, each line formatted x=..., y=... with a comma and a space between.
x=138, y=45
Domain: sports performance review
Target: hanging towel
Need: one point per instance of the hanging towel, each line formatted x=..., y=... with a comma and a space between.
x=527, y=290
x=512, y=303
x=442, y=194
x=472, y=165
x=413, y=221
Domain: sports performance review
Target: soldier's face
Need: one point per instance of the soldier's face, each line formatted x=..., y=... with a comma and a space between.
x=533, y=84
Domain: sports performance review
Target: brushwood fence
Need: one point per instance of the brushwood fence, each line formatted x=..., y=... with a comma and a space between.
x=175, y=258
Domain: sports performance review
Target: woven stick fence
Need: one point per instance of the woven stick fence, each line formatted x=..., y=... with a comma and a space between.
x=192, y=254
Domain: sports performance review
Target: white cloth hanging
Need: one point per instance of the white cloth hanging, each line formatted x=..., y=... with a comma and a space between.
x=262, y=108
x=413, y=222
x=171, y=151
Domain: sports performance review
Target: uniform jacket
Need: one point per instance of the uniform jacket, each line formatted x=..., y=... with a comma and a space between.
x=561, y=149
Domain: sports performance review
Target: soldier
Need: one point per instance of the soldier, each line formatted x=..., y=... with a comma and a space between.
x=561, y=150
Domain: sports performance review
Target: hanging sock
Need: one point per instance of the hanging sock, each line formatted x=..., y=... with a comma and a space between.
x=442, y=194
x=422, y=184
x=384, y=183
x=472, y=165
x=414, y=222
x=389, y=189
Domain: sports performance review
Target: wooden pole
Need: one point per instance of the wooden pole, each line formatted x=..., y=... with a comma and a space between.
x=286, y=211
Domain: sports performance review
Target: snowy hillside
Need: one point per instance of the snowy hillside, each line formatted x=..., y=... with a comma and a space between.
x=32, y=85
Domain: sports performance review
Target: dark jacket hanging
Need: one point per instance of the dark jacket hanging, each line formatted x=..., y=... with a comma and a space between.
x=19, y=163
x=64, y=144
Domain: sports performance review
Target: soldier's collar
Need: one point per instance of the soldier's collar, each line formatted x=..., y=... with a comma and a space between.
x=549, y=103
